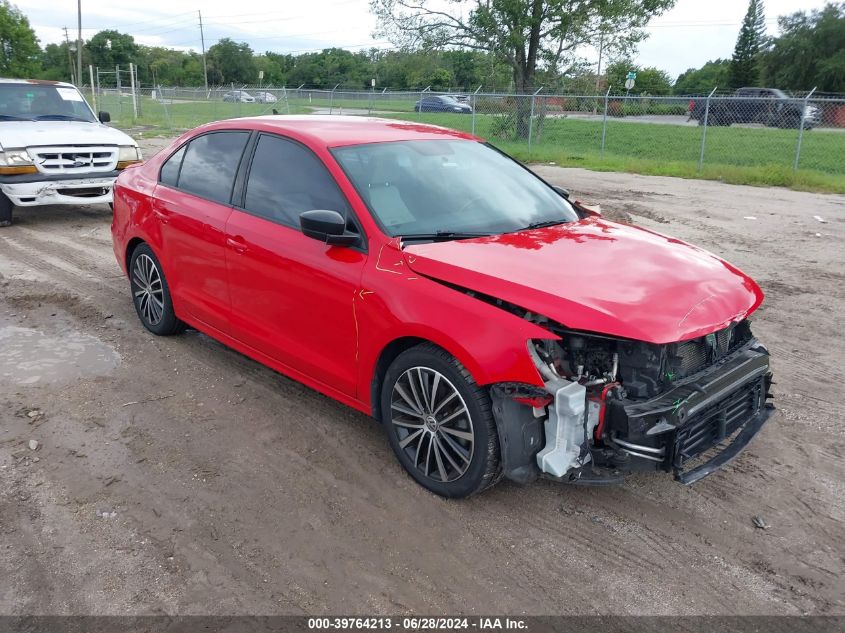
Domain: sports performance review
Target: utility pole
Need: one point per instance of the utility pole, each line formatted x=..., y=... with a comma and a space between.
x=601, y=50
x=79, y=43
x=69, y=58
x=204, y=67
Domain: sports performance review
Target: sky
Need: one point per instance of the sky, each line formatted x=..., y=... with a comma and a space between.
x=693, y=32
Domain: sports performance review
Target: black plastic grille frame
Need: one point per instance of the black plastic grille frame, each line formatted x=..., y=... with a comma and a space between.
x=716, y=424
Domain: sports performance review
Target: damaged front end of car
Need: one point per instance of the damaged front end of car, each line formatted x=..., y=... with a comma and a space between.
x=612, y=406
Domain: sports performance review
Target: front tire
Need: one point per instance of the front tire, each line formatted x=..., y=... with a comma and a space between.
x=151, y=294
x=440, y=423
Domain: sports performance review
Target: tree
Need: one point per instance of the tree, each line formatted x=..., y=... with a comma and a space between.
x=19, y=50
x=650, y=80
x=231, y=62
x=110, y=48
x=55, y=63
x=702, y=80
x=809, y=51
x=527, y=34
x=273, y=74
x=745, y=68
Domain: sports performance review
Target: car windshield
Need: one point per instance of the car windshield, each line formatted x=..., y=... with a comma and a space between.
x=447, y=99
x=449, y=186
x=42, y=102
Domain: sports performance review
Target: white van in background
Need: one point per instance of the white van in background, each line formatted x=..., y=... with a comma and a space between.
x=54, y=149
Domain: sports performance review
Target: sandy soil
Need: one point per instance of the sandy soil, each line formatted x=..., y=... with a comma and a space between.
x=174, y=475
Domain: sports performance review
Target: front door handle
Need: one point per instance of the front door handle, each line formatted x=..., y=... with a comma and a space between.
x=236, y=243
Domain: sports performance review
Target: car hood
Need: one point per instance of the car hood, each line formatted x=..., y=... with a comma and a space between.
x=598, y=276
x=20, y=134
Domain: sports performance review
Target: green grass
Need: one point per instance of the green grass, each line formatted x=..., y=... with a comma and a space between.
x=753, y=156
x=172, y=117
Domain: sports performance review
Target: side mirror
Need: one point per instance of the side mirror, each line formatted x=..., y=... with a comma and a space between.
x=327, y=226
x=104, y=117
x=564, y=193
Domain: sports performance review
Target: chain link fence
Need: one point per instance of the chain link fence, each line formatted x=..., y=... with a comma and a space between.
x=758, y=139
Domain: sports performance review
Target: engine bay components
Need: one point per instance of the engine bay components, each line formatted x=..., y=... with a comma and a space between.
x=616, y=401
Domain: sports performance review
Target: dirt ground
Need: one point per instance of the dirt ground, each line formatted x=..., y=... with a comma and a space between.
x=176, y=476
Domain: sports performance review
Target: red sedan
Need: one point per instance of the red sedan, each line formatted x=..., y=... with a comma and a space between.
x=493, y=326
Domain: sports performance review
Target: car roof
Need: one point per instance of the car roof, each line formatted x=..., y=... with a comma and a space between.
x=338, y=130
x=9, y=80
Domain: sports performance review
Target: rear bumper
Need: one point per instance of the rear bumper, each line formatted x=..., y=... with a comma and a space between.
x=36, y=191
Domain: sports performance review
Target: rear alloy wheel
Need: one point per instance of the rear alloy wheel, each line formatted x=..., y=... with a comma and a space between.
x=440, y=423
x=150, y=293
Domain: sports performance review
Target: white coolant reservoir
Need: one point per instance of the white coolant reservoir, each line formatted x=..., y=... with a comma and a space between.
x=566, y=434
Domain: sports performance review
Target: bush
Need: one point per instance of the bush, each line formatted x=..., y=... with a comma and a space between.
x=504, y=126
x=636, y=108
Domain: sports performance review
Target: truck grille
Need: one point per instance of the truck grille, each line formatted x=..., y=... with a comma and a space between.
x=71, y=160
x=719, y=422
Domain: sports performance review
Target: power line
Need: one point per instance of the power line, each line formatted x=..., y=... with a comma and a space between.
x=266, y=13
x=166, y=17
x=700, y=24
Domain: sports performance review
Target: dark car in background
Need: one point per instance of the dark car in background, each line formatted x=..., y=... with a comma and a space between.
x=766, y=106
x=442, y=103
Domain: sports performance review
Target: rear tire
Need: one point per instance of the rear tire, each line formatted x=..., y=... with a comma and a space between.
x=6, y=208
x=151, y=294
x=440, y=423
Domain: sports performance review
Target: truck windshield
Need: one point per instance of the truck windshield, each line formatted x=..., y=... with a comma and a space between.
x=42, y=102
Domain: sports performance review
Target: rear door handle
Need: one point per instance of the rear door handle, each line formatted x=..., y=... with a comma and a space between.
x=237, y=244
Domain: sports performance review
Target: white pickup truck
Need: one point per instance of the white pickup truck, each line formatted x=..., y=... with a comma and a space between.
x=54, y=149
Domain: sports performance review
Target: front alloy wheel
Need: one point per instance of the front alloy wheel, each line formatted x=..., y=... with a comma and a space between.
x=440, y=422
x=432, y=423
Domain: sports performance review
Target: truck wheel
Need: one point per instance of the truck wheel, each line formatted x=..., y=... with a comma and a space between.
x=6, y=207
x=150, y=293
x=440, y=423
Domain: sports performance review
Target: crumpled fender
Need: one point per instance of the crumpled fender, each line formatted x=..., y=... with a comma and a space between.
x=394, y=303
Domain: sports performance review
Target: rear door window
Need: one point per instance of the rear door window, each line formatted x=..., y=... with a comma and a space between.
x=210, y=164
x=169, y=174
